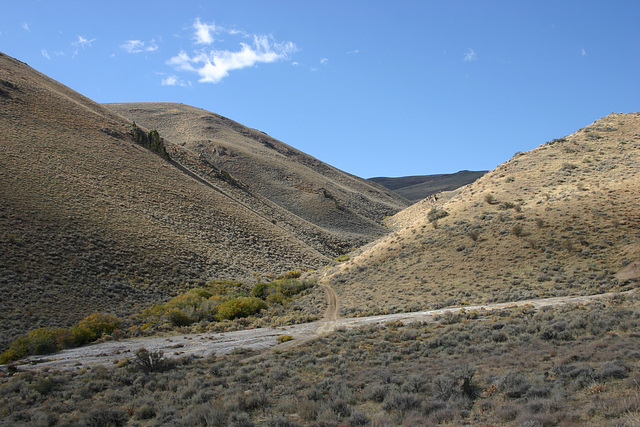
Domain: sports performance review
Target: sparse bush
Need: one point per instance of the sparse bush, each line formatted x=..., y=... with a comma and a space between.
x=514, y=385
x=506, y=206
x=490, y=199
x=474, y=234
x=149, y=361
x=106, y=417
x=401, y=402
x=517, y=230
x=436, y=214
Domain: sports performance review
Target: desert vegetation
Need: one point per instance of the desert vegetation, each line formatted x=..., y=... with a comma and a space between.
x=558, y=220
x=571, y=365
x=216, y=306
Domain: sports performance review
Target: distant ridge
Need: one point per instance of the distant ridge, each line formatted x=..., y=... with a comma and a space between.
x=419, y=187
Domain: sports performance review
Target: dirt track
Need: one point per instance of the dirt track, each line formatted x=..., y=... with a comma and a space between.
x=202, y=345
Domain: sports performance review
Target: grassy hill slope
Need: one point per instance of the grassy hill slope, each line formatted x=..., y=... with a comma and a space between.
x=322, y=195
x=90, y=220
x=561, y=219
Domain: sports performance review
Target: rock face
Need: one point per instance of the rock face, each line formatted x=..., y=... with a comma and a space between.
x=93, y=219
x=561, y=219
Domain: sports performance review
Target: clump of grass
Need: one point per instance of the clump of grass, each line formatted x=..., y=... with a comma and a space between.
x=341, y=258
x=284, y=338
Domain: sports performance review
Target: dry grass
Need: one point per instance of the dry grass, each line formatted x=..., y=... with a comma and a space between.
x=561, y=219
x=91, y=221
x=348, y=207
x=571, y=366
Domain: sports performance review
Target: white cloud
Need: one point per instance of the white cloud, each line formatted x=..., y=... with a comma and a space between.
x=353, y=52
x=174, y=81
x=25, y=26
x=470, y=55
x=170, y=81
x=137, y=46
x=583, y=52
x=324, y=61
x=214, y=65
x=83, y=42
x=204, y=32
x=45, y=53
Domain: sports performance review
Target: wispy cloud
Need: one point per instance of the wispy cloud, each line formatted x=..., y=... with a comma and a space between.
x=175, y=81
x=583, y=52
x=214, y=65
x=25, y=26
x=45, y=53
x=137, y=46
x=470, y=55
x=83, y=42
x=353, y=52
x=324, y=61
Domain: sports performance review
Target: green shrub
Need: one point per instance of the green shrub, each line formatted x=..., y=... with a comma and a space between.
x=279, y=291
x=18, y=349
x=99, y=324
x=178, y=318
x=48, y=340
x=239, y=307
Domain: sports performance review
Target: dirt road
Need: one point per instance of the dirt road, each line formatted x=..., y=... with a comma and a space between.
x=202, y=345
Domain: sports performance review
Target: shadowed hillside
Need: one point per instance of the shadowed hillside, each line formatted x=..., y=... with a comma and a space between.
x=561, y=219
x=419, y=187
x=92, y=220
x=345, y=205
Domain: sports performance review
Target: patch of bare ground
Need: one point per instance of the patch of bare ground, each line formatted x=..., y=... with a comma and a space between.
x=562, y=219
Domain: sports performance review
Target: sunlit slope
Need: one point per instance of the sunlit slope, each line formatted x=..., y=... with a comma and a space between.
x=561, y=219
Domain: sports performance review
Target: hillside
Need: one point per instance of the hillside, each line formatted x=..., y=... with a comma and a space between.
x=93, y=221
x=312, y=190
x=561, y=219
x=419, y=187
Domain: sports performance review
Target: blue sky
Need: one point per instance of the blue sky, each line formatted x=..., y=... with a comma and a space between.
x=376, y=88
